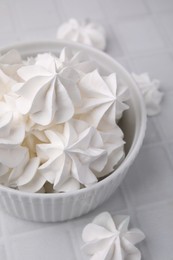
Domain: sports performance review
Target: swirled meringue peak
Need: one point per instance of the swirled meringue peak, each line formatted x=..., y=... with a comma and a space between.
x=109, y=239
x=103, y=100
x=150, y=91
x=59, y=121
x=77, y=63
x=88, y=33
x=46, y=96
x=72, y=156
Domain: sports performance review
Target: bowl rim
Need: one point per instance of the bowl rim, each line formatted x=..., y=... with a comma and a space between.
x=135, y=149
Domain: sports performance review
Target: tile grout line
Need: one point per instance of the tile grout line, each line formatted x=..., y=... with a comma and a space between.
x=73, y=244
x=150, y=205
x=131, y=210
x=147, y=6
x=149, y=52
x=162, y=30
x=57, y=11
x=21, y=234
x=169, y=157
x=155, y=22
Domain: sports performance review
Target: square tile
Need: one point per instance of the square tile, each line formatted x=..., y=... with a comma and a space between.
x=150, y=179
x=159, y=66
x=167, y=22
x=85, y=9
x=170, y=148
x=5, y=18
x=15, y=226
x=160, y=5
x=163, y=121
x=151, y=135
x=122, y=8
x=40, y=34
x=3, y=255
x=8, y=39
x=113, y=46
x=156, y=222
x=115, y=203
x=35, y=14
x=50, y=243
x=140, y=34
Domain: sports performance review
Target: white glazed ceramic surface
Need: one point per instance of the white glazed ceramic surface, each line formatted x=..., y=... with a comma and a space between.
x=60, y=207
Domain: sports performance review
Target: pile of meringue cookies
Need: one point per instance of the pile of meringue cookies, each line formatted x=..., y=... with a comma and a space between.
x=59, y=126
x=59, y=122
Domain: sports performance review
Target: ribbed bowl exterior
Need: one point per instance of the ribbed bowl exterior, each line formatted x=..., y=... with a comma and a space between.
x=54, y=208
x=61, y=207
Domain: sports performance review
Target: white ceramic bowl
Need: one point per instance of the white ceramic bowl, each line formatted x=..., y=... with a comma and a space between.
x=60, y=207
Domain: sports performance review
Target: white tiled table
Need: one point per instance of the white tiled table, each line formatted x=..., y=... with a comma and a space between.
x=140, y=36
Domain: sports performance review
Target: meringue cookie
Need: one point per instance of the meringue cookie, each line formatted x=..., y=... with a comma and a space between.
x=71, y=156
x=11, y=57
x=77, y=64
x=103, y=100
x=108, y=240
x=87, y=33
x=114, y=145
x=150, y=91
x=78, y=61
x=26, y=176
x=45, y=96
x=6, y=84
x=10, y=62
x=11, y=137
x=57, y=65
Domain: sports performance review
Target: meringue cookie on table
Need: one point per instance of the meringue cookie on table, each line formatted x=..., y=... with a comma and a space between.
x=88, y=33
x=108, y=239
x=72, y=156
x=103, y=100
x=150, y=91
